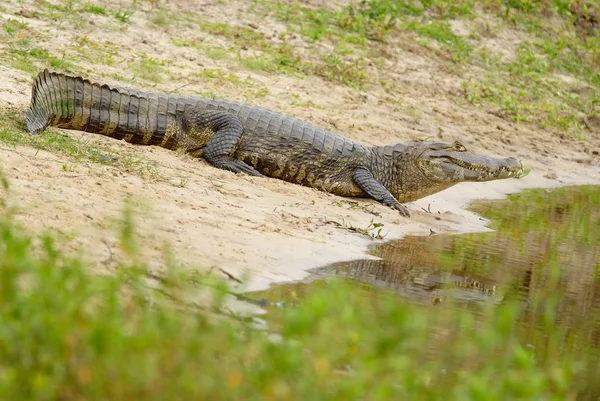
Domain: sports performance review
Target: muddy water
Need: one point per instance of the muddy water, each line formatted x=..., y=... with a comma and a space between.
x=544, y=241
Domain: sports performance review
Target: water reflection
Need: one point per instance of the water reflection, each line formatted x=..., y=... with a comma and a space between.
x=545, y=242
x=410, y=268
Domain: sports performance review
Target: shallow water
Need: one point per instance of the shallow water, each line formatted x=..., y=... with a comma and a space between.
x=544, y=241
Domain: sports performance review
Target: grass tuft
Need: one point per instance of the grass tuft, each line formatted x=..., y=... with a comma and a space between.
x=13, y=133
x=94, y=9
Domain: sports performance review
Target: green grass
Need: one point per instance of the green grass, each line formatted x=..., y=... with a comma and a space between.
x=336, y=68
x=130, y=335
x=216, y=52
x=358, y=36
x=12, y=26
x=542, y=263
x=184, y=42
x=150, y=69
x=523, y=89
x=217, y=77
x=527, y=90
x=94, y=9
x=123, y=15
x=67, y=334
x=79, y=152
x=22, y=53
x=457, y=47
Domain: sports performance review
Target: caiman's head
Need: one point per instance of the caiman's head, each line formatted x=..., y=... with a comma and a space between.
x=442, y=162
x=423, y=168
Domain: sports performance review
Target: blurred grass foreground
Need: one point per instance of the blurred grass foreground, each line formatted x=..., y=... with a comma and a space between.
x=67, y=334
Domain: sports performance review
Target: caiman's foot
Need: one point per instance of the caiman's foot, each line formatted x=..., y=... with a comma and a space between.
x=231, y=164
x=365, y=181
x=399, y=207
x=228, y=130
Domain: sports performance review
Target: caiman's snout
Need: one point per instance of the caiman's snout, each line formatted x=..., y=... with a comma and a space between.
x=513, y=166
x=494, y=169
x=470, y=167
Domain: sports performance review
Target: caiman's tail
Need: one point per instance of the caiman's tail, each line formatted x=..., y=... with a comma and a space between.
x=71, y=102
x=76, y=103
x=38, y=116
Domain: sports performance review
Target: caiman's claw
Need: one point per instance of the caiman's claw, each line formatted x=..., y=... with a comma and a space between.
x=399, y=207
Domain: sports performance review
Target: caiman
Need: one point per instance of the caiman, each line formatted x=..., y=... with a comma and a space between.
x=249, y=139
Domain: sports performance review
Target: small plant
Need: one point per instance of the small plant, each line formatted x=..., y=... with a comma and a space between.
x=94, y=9
x=524, y=173
x=374, y=229
x=12, y=26
x=124, y=15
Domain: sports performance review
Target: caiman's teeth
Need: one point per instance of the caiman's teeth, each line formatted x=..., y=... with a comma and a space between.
x=496, y=172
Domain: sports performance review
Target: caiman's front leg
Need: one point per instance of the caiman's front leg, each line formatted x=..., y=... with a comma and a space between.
x=227, y=129
x=365, y=180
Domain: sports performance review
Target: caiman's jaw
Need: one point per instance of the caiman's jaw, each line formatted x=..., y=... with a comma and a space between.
x=492, y=169
x=453, y=163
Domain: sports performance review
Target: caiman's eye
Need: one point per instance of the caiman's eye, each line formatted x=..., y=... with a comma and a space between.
x=458, y=147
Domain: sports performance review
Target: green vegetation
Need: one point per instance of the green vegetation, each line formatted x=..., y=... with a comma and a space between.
x=123, y=15
x=23, y=55
x=216, y=52
x=150, y=69
x=70, y=335
x=132, y=334
x=94, y=9
x=272, y=57
x=525, y=89
x=220, y=78
x=459, y=50
x=12, y=26
x=551, y=79
x=527, y=256
x=79, y=151
x=543, y=267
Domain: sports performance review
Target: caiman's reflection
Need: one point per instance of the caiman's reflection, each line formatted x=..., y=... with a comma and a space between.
x=410, y=268
x=544, y=243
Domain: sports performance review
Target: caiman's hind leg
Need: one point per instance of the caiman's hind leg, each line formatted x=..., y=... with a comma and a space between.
x=365, y=180
x=224, y=130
